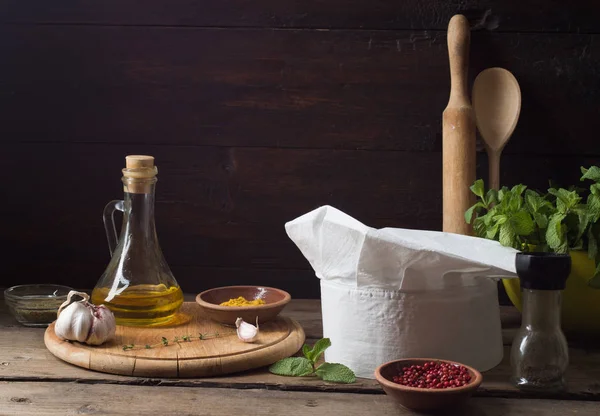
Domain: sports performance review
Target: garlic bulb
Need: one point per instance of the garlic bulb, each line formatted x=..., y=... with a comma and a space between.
x=245, y=331
x=81, y=321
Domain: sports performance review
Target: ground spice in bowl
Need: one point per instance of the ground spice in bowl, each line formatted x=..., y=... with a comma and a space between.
x=225, y=304
x=242, y=301
x=35, y=305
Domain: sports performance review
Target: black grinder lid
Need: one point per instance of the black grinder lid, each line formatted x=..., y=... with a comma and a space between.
x=543, y=271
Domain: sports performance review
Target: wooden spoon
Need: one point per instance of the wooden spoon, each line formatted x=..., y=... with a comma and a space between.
x=497, y=104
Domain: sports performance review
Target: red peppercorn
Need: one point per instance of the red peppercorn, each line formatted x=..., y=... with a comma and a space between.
x=433, y=375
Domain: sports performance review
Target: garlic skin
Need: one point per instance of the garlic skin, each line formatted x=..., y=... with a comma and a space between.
x=81, y=321
x=246, y=332
x=74, y=322
x=103, y=327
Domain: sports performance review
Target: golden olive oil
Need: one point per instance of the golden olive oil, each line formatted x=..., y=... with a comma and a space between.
x=142, y=305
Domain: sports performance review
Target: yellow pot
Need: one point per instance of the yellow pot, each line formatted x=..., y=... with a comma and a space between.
x=581, y=303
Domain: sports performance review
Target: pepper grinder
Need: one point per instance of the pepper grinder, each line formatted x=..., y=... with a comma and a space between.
x=539, y=354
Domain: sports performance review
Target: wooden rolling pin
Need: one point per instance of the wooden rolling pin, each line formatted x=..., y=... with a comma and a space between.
x=458, y=147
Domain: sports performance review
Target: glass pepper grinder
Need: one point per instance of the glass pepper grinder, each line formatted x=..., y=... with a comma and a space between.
x=137, y=285
x=539, y=354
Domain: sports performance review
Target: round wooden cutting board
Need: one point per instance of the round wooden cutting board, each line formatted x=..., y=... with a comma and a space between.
x=215, y=355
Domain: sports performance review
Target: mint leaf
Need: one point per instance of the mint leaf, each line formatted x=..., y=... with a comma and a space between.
x=478, y=188
x=541, y=220
x=292, y=366
x=518, y=190
x=479, y=227
x=492, y=232
x=592, y=244
x=555, y=235
x=318, y=349
x=488, y=218
x=592, y=173
x=583, y=220
x=593, y=205
x=500, y=219
x=469, y=212
x=521, y=223
x=337, y=373
x=565, y=200
x=534, y=201
x=572, y=198
x=502, y=193
x=507, y=235
x=491, y=197
x=516, y=202
x=306, y=351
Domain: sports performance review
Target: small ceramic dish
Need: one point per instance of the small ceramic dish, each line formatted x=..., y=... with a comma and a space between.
x=423, y=399
x=35, y=305
x=210, y=300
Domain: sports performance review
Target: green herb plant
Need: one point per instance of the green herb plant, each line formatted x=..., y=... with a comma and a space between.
x=307, y=365
x=558, y=221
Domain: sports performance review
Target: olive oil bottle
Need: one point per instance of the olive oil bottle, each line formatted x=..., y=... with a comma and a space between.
x=137, y=285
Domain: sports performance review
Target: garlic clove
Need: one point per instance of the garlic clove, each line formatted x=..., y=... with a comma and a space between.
x=103, y=326
x=246, y=332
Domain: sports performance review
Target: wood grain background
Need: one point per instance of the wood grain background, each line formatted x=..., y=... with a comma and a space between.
x=258, y=112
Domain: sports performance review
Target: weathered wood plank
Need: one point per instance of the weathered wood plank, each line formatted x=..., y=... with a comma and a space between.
x=335, y=89
x=528, y=15
x=34, y=362
x=49, y=399
x=25, y=358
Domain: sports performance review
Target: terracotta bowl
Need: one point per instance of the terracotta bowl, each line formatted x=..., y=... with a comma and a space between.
x=421, y=399
x=275, y=301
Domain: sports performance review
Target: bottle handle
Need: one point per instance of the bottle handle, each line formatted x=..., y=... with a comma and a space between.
x=109, y=223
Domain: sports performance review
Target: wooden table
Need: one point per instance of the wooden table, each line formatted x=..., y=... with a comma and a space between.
x=34, y=382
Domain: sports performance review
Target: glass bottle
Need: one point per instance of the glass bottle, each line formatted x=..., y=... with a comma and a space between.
x=137, y=285
x=539, y=354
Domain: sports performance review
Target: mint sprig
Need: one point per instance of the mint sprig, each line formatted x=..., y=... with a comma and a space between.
x=337, y=373
x=292, y=366
x=314, y=353
x=307, y=365
x=558, y=221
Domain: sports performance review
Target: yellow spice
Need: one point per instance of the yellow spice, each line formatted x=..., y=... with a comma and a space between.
x=242, y=301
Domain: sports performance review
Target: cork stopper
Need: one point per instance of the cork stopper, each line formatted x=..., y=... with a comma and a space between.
x=139, y=161
x=139, y=174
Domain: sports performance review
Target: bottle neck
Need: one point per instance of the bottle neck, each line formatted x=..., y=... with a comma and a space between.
x=138, y=218
x=541, y=308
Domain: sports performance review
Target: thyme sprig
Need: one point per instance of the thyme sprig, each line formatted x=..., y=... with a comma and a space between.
x=176, y=340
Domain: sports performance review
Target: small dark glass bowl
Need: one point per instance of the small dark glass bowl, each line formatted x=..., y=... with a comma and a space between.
x=35, y=305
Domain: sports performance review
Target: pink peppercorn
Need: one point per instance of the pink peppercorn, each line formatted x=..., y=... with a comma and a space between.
x=433, y=375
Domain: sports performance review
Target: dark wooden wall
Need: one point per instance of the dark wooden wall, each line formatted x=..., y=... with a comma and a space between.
x=257, y=112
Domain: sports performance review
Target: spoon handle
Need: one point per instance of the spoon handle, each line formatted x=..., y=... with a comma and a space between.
x=494, y=169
